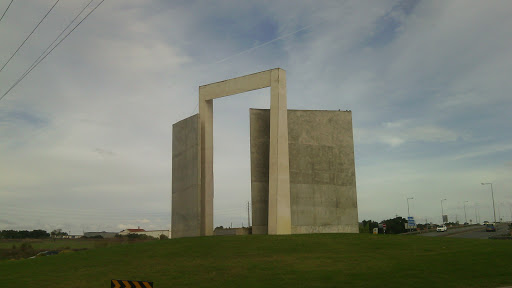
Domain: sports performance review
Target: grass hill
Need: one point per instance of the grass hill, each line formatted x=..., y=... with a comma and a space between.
x=317, y=260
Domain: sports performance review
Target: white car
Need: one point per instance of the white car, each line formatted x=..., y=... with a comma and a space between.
x=442, y=228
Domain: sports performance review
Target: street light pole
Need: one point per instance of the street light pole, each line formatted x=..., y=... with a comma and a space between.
x=492, y=194
x=442, y=210
x=408, y=214
x=499, y=211
x=465, y=216
x=478, y=212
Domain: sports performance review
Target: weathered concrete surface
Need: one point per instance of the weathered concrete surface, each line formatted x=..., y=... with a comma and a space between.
x=260, y=141
x=186, y=197
x=322, y=171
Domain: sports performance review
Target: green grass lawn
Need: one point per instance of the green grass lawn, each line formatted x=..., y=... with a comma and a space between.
x=25, y=248
x=49, y=244
x=318, y=260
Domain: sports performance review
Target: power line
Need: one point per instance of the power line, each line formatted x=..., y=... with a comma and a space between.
x=6, y=10
x=29, y=35
x=264, y=44
x=34, y=66
x=195, y=108
x=49, y=46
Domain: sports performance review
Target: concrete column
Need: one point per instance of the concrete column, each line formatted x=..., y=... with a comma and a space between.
x=279, y=213
x=206, y=166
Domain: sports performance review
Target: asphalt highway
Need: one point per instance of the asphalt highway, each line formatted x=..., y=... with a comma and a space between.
x=474, y=232
x=501, y=228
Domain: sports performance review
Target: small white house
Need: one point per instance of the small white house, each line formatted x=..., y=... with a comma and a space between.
x=131, y=231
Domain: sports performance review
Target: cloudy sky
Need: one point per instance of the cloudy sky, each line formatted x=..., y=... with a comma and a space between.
x=85, y=138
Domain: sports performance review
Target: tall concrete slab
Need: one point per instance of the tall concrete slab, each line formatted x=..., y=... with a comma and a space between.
x=260, y=144
x=186, y=196
x=322, y=171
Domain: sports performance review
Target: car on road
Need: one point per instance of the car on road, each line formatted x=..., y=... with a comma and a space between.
x=486, y=222
x=490, y=227
x=441, y=228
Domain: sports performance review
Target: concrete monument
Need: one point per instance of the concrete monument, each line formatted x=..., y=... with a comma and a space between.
x=278, y=208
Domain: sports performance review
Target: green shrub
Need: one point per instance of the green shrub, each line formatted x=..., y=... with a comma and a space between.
x=139, y=237
x=26, y=247
x=24, y=251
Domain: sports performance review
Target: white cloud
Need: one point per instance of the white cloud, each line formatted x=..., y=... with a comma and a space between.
x=86, y=137
x=146, y=224
x=483, y=150
x=124, y=226
x=405, y=131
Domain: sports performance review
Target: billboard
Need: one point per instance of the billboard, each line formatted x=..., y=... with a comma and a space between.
x=445, y=218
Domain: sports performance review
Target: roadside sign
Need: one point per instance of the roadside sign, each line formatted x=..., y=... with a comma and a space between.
x=384, y=225
x=407, y=226
x=130, y=284
x=411, y=222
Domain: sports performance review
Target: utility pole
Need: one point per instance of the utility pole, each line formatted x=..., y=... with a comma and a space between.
x=465, y=216
x=477, y=211
x=248, y=215
x=442, y=211
x=408, y=214
x=499, y=212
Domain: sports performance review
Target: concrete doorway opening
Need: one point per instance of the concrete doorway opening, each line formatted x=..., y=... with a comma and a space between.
x=232, y=160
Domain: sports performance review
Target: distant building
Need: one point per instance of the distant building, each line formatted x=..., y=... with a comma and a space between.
x=102, y=234
x=72, y=236
x=151, y=233
x=131, y=231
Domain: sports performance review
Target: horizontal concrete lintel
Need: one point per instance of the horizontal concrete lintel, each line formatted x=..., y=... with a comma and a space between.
x=235, y=86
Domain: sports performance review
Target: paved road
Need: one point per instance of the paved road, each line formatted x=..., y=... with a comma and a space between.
x=452, y=231
x=501, y=228
x=475, y=232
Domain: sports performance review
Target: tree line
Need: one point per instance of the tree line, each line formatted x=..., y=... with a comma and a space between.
x=393, y=226
x=24, y=234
